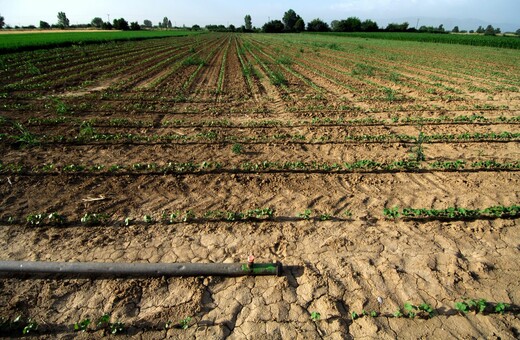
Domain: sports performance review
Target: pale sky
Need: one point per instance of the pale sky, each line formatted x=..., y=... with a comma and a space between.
x=204, y=12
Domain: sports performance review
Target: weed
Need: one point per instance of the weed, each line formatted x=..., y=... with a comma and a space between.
x=25, y=138
x=285, y=60
x=86, y=130
x=390, y=94
x=194, y=60
x=363, y=70
x=315, y=316
x=60, y=107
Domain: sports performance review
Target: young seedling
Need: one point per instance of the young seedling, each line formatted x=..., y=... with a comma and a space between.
x=35, y=219
x=315, y=316
x=398, y=313
x=354, y=315
x=82, y=325
x=148, y=219
x=31, y=327
x=237, y=149
x=501, y=308
x=185, y=323
x=306, y=214
x=325, y=217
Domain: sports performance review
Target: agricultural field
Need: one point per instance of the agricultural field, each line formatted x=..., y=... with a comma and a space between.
x=384, y=176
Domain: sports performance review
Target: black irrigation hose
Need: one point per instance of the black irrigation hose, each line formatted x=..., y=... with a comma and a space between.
x=139, y=269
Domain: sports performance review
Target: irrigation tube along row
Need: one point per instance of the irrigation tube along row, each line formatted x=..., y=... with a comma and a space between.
x=140, y=269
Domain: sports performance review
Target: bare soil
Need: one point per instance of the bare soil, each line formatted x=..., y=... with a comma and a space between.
x=349, y=263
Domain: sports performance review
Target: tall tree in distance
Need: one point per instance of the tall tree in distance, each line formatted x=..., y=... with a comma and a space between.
x=165, y=22
x=2, y=22
x=170, y=24
x=148, y=23
x=289, y=20
x=248, y=22
x=97, y=22
x=63, y=21
x=44, y=25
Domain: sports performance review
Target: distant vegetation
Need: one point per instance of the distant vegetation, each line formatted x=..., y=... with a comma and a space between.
x=32, y=41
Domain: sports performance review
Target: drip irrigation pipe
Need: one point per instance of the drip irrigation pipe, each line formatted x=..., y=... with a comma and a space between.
x=140, y=269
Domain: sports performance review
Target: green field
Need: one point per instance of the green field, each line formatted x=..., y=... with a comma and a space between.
x=459, y=39
x=31, y=41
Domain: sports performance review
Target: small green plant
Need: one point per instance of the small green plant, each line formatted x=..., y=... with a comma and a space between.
x=325, y=217
x=354, y=315
x=82, y=325
x=467, y=305
x=315, y=316
x=347, y=213
x=109, y=328
x=185, y=323
x=35, y=219
x=501, y=307
x=93, y=219
x=237, y=149
x=306, y=215
x=31, y=327
x=86, y=130
x=128, y=221
x=188, y=216
x=417, y=151
x=423, y=310
x=391, y=212
x=116, y=328
x=148, y=219
x=398, y=313
x=374, y=314
x=56, y=219
x=278, y=79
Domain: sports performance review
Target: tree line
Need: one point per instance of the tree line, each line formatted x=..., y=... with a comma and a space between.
x=290, y=23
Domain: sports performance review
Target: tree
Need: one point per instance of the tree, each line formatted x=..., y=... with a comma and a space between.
x=195, y=28
x=249, y=23
x=369, y=26
x=489, y=30
x=498, y=30
x=518, y=31
x=393, y=27
x=353, y=24
x=289, y=20
x=165, y=22
x=318, y=25
x=44, y=25
x=273, y=26
x=480, y=30
x=106, y=26
x=170, y=24
x=2, y=22
x=134, y=26
x=97, y=22
x=63, y=21
x=121, y=24
x=455, y=29
x=299, y=26
x=147, y=23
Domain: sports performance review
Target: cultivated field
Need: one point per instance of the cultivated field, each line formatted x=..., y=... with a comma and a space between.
x=305, y=149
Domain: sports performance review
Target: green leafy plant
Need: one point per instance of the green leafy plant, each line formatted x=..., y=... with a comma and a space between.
x=31, y=327
x=35, y=219
x=501, y=307
x=417, y=151
x=398, y=313
x=315, y=316
x=237, y=149
x=94, y=219
x=185, y=323
x=82, y=325
x=354, y=315
x=306, y=215
x=423, y=310
x=325, y=217
x=148, y=219
x=478, y=306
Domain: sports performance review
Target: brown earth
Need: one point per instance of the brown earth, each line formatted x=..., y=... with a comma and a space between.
x=356, y=260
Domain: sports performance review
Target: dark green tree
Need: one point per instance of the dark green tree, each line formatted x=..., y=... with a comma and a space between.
x=489, y=30
x=44, y=25
x=369, y=26
x=248, y=22
x=518, y=31
x=63, y=21
x=121, y=24
x=480, y=30
x=106, y=26
x=289, y=20
x=353, y=24
x=97, y=22
x=299, y=26
x=195, y=28
x=498, y=30
x=2, y=22
x=318, y=25
x=170, y=24
x=393, y=27
x=134, y=26
x=273, y=26
x=164, y=22
x=455, y=29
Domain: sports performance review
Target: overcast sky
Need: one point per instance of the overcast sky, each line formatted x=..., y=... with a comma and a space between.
x=203, y=12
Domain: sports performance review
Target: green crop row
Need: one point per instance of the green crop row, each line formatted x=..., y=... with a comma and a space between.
x=32, y=41
x=263, y=166
x=190, y=167
x=453, y=212
x=459, y=39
